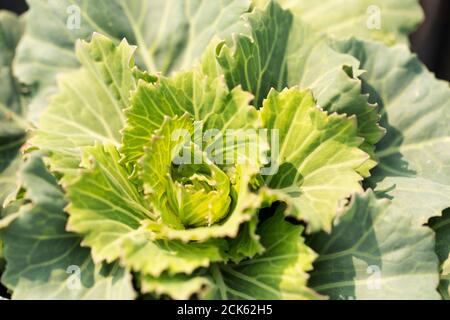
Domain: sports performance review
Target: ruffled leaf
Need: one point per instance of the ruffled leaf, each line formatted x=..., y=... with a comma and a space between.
x=143, y=254
x=103, y=196
x=317, y=155
x=208, y=100
x=89, y=107
x=107, y=209
x=190, y=194
x=244, y=209
x=257, y=61
x=178, y=287
x=297, y=56
x=247, y=244
x=279, y=273
x=205, y=98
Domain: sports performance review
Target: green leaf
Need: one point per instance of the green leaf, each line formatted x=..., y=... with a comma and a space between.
x=245, y=208
x=318, y=157
x=279, y=273
x=11, y=29
x=155, y=171
x=89, y=107
x=291, y=59
x=142, y=253
x=414, y=156
x=12, y=126
x=196, y=202
x=247, y=244
x=334, y=82
x=170, y=35
x=257, y=62
x=44, y=261
x=189, y=195
x=375, y=252
x=108, y=190
x=205, y=98
x=108, y=210
x=102, y=195
x=9, y=182
x=178, y=287
x=441, y=226
x=346, y=18
x=445, y=280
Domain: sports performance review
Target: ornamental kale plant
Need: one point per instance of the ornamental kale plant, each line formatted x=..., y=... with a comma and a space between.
x=221, y=150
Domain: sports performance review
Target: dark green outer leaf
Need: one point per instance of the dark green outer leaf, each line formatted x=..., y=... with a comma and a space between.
x=375, y=252
x=279, y=273
x=12, y=126
x=414, y=156
x=441, y=226
x=43, y=259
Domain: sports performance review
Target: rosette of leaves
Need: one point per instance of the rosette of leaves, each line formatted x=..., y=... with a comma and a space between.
x=126, y=206
x=109, y=136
